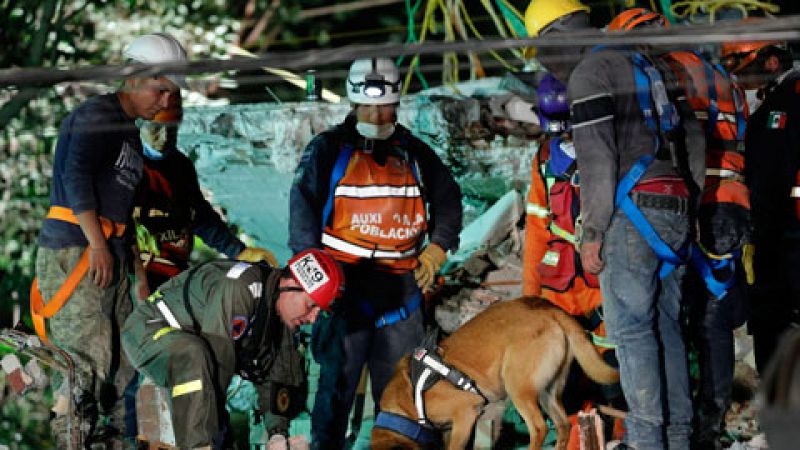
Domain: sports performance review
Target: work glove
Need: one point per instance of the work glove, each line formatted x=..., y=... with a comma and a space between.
x=430, y=261
x=256, y=254
x=748, y=253
x=145, y=241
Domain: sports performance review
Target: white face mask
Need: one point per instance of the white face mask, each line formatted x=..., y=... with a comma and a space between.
x=372, y=131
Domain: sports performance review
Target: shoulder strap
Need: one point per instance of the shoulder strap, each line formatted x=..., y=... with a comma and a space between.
x=339, y=168
x=660, y=114
x=738, y=102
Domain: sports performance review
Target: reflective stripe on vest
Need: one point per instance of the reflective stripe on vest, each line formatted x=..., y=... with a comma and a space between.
x=723, y=173
x=187, y=388
x=795, y=193
x=364, y=252
x=537, y=210
x=602, y=341
x=563, y=234
x=168, y=316
x=377, y=191
x=160, y=333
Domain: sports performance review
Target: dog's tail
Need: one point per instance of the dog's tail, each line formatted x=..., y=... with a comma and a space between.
x=586, y=354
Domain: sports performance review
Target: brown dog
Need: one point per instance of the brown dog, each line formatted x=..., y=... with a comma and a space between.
x=520, y=349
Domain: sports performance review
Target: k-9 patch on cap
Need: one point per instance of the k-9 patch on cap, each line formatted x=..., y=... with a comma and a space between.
x=309, y=273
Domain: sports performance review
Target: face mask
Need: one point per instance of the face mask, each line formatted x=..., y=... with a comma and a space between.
x=151, y=153
x=372, y=131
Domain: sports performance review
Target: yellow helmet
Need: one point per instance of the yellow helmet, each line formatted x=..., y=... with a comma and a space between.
x=541, y=13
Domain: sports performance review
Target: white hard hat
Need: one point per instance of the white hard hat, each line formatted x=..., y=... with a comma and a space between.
x=373, y=81
x=158, y=48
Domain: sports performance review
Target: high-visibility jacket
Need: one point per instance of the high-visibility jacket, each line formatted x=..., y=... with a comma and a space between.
x=551, y=263
x=377, y=211
x=721, y=107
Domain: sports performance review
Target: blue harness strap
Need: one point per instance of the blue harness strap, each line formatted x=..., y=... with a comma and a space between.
x=395, y=315
x=669, y=257
x=660, y=118
x=407, y=427
x=713, y=100
x=339, y=168
x=713, y=105
x=738, y=103
x=705, y=267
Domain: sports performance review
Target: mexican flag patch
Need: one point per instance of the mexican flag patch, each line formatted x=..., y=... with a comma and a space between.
x=777, y=120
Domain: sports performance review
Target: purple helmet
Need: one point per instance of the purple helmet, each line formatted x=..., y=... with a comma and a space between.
x=553, y=107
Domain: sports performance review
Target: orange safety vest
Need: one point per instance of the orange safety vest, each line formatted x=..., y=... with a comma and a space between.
x=41, y=311
x=378, y=212
x=724, y=133
x=549, y=260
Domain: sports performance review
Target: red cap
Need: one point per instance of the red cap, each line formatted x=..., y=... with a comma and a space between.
x=319, y=275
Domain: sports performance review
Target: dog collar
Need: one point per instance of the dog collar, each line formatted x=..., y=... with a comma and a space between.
x=421, y=434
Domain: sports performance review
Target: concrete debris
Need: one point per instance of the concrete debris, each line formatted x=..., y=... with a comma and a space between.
x=757, y=443
x=153, y=414
x=16, y=376
x=38, y=375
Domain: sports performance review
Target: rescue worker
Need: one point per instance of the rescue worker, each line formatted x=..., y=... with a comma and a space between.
x=86, y=243
x=551, y=262
x=640, y=156
x=370, y=193
x=713, y=290
x=218, y=319
x=170, y=209
x=771, y=173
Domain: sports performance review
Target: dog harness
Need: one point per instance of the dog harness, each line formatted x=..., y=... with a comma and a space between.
x=427, y=368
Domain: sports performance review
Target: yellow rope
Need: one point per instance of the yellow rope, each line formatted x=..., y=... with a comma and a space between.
x=426, y=24
x=476, y=69
x=514, y=10
x=500, y=27
x=691, y=9
x=477, y=34
x=449, y=59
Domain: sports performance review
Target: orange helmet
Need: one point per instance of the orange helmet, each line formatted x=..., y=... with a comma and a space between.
x=735, y=56
x=173, y=113
x=636, y=17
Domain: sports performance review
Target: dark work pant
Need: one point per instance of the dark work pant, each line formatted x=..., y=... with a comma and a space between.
x=343, y=343
x=711, y=325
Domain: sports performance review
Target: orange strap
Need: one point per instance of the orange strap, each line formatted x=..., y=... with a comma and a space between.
x=41, y=311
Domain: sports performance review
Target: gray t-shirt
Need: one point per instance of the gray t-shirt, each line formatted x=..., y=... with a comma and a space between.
x=610, y=135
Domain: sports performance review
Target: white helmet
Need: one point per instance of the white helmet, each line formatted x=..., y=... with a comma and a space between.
x=373, y=81
x=157, y=48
